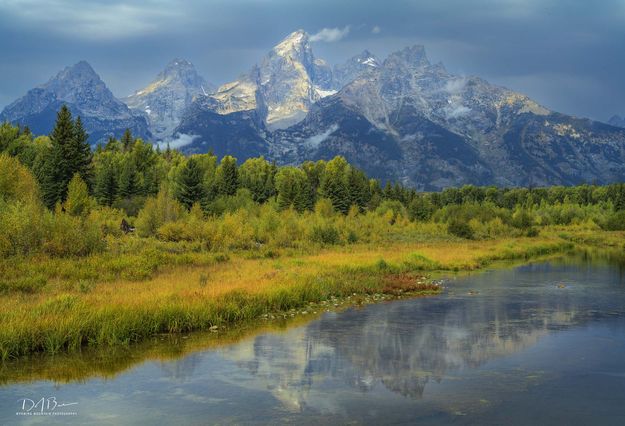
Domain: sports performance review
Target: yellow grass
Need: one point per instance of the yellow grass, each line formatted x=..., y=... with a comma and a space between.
x=184, y=298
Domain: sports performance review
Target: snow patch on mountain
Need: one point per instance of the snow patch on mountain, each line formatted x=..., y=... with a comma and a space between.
x=324, y=93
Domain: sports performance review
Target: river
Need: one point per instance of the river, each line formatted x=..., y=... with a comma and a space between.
x=542, y=343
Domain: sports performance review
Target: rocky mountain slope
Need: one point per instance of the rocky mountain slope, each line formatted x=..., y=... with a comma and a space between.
x=165, y=99
x=86, y=95
x=410, y=120
x=363, y=63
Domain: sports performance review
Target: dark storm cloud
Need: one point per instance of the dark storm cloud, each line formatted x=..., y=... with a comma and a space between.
x=567, y=54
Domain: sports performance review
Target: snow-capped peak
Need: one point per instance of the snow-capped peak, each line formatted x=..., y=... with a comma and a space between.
x=296, y=41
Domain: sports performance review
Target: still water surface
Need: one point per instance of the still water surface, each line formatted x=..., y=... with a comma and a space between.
x=542, y=343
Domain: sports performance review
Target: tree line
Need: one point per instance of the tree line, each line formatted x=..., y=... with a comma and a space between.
x=124, y=173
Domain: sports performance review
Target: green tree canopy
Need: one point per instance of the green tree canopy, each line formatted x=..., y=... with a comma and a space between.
x=190, y=186
x=227, y=176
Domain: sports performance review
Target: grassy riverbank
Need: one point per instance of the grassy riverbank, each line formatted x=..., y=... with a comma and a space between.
x=196, y=291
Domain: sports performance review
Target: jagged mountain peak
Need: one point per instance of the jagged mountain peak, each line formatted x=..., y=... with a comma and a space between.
x=184, y=72
x=294, y=47
x=281, y=87
x=177, y=66
x=356, y=66
x=412, y=56
x=80, y=88
x=296, y=41
x=81, y=67
x=165, y=99
x=81, y=73
x=80, y=85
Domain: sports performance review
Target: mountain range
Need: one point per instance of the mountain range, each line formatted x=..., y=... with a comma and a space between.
x=402, y=118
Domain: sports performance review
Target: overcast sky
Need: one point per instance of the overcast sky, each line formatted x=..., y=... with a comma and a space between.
x=569, y=55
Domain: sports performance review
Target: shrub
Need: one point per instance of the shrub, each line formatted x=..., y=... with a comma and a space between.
x=420, y=209
x=17, y=183
x=158, y=211
x=522, y=219
x=78, y=202
x=392, y=210
x=614, y=221
x=324, y=208
x=460, y=229
x=108, y=220
x=325, y=234
x=71, y=236
x=22, y=227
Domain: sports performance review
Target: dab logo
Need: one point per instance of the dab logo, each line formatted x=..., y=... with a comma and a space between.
x=45, y=406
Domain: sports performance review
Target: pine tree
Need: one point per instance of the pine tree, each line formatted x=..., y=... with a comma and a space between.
x=358, y=188
x=128, y=181
x=293, y=189
x=127, y=140
x=112, y=144
x=334, y=184
x=79, y=152
x=227, y=176
x=387, y=193
x=106, y=185
x=190, y=188
x=57, y=170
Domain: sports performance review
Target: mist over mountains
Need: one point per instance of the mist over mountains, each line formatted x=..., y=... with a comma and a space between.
x=402, y=118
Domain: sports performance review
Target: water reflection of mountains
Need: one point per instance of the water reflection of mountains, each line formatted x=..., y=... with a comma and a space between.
x=404, y=345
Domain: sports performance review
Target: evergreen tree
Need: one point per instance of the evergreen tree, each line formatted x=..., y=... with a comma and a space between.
x=398, y=192
x=358, y=188
x=334, y=184
x=79, y=152
x=127, y=140
x=106, y=185
x=376, y=194
x=57, y=170
x=256, y=174
x=293, y=189
x=112, y=144
x=387, y=192
x=129, y=181
x=190, y=188
x=227, y=176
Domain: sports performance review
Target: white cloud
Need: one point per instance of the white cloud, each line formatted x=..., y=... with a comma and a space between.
x=315, y=141
x=376, y=30
x=457, y=111
x=330, y=35
x=181, y=139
